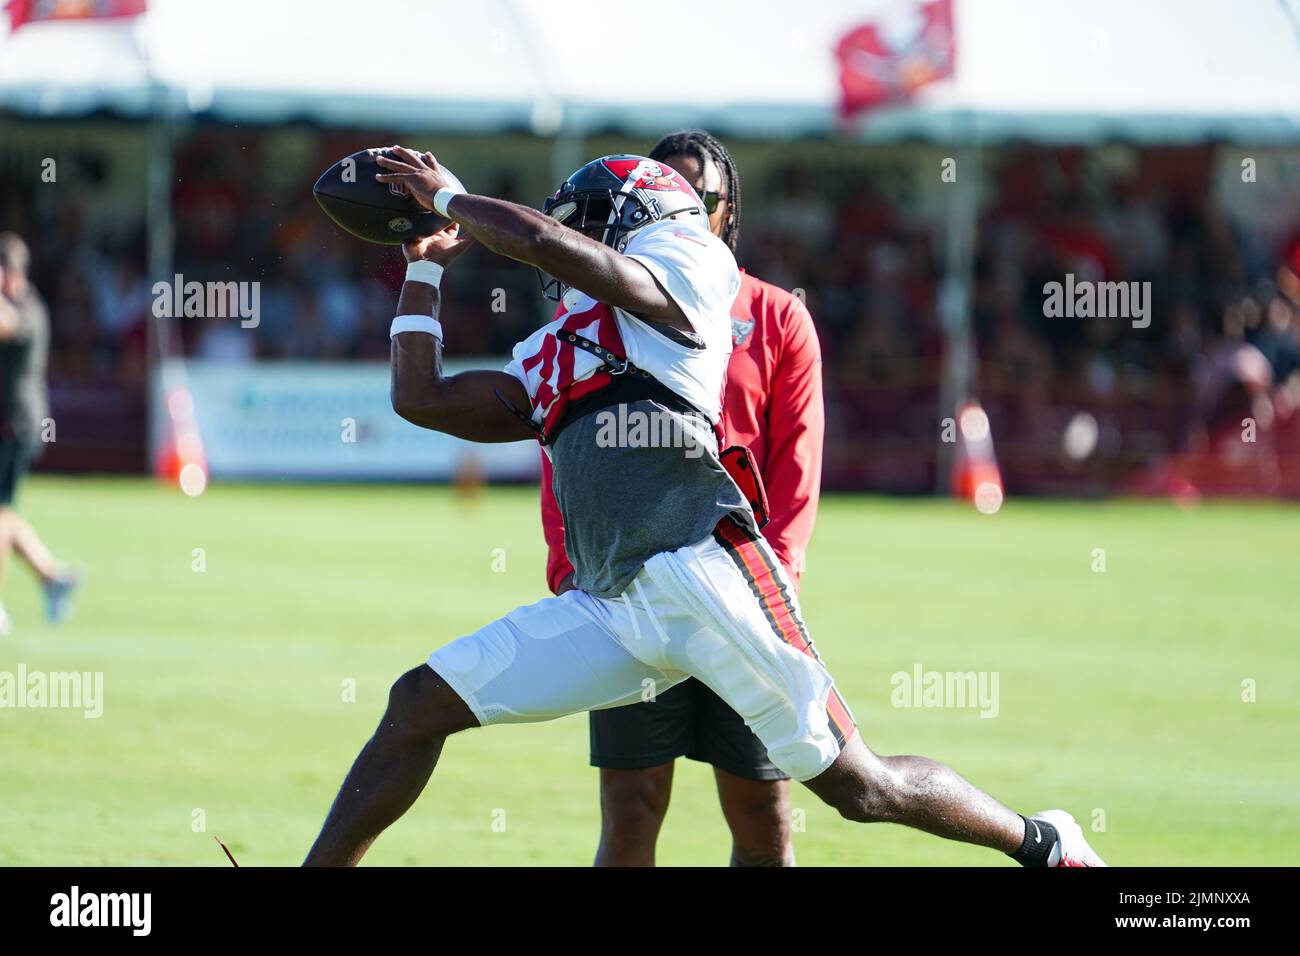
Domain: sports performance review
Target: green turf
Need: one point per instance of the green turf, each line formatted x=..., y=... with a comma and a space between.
x=1120, y=692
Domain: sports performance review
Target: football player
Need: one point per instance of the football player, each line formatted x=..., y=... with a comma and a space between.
x=671, y=576
x=773, y=404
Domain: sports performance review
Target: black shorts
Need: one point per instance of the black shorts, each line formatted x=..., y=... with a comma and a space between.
x=15, y=459
x=688, y=720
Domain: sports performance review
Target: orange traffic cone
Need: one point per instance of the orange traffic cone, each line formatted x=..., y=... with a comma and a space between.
x=975, y=473
x=180, y=456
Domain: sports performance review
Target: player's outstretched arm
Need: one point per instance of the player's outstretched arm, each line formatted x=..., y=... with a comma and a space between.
x=527, y=235
x=464, y=405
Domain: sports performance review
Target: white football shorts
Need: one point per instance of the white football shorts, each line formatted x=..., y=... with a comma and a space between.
x=721, y=610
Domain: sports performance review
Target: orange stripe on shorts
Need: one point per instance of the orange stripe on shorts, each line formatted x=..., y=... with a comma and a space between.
x=760, y=573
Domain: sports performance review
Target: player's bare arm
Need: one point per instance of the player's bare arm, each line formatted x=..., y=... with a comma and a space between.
x=464, y=405
x=527, y=235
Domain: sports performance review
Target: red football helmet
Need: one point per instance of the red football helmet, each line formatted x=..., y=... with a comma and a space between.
x=612, y=197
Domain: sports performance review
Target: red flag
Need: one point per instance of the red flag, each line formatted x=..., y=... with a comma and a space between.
x=889, y=59
x=36, y=11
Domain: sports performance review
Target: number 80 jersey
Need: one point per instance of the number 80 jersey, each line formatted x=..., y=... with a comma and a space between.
x=699, y=272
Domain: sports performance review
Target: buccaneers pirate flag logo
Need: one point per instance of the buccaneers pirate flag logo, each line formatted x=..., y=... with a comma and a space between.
x=887, y=60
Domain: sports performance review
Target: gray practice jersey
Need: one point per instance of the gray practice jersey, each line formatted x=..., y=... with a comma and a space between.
x=624, y=499
x=638, y=478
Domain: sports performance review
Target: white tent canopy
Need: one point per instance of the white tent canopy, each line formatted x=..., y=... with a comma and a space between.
x=278, y=60
x=1071, y=70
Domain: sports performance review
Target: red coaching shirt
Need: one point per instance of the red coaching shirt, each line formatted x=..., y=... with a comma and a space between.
x=773, y=404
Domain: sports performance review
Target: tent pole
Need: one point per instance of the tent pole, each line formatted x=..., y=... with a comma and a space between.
x=566, y=154
x=160, y=234
x=160, y=231
x=958, y=378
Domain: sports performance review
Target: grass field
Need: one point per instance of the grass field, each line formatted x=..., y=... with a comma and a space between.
x=1120, y=693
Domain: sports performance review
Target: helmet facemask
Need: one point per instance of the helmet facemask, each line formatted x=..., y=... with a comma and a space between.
x=611, y=198
x=601, y=214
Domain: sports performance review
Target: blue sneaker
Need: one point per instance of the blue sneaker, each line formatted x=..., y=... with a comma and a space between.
x=58, y=596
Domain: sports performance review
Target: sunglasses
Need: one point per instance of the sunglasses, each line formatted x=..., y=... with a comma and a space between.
x=712, y=200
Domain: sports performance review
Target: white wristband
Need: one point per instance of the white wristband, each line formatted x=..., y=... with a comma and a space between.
x=416, y=323
x=442, y=197
x=422, y=270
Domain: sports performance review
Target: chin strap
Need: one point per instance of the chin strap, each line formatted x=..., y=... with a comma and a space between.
x=616, y=367
x=542, y=438
x=613, y=364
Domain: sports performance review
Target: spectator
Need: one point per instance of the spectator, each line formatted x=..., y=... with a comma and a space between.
x=24, y=408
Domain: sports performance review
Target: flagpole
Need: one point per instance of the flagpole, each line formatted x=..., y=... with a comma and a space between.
x=175, y=446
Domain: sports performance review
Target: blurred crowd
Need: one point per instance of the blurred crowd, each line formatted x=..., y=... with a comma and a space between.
x=1075, y=403
x=1223, y=343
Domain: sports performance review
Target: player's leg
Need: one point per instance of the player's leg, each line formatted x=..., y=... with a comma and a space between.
x=17, y=535
x=539, y=662
x=633, y=804
x=635, y=748
x=754, y=651
x=6, y=548
x=6, y=544
x=916, y=792
x=28, y=544
x=753, y=791
x=758, y=815
x=9, y=464
x=57, y=581
x=393, y=767
x=927, y=795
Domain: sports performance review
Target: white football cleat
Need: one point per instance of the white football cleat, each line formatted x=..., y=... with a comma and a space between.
x=6, y=622
x=1071, y=848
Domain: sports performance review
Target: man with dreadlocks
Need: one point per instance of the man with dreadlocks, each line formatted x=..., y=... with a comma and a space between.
x=773, y=404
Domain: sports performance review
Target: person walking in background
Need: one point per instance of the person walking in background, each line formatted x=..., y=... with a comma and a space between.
x=24, y=405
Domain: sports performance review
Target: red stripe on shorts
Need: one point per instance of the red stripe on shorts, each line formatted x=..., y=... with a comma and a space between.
x=756, y=564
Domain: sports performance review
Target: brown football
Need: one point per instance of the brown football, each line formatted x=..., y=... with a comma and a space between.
x=370, y=210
